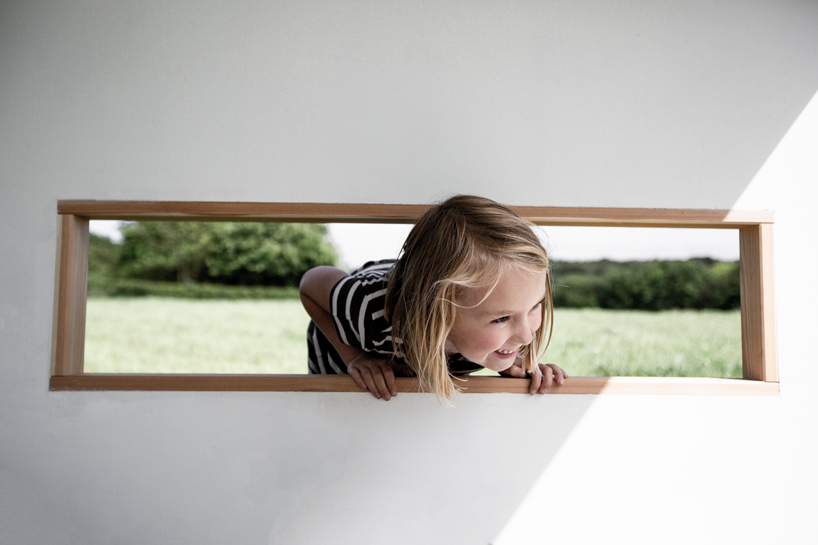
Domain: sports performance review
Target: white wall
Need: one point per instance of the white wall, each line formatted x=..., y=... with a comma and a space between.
x=644, y=103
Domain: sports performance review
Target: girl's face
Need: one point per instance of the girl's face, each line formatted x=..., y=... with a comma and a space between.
x=492, y=333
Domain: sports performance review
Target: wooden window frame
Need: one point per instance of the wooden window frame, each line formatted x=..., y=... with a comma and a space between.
x=759, y=359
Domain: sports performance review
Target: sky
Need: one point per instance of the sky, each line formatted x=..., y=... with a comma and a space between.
x=562, y=243
x=358, y=243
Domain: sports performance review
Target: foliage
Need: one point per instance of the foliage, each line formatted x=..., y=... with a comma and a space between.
x=650, y=285
x=158, y=250
x=577, y=291
x=266, y=253
x=270, y=254
x=102, y=257
x=102, y=254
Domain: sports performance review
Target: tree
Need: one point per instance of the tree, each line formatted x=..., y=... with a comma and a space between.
x=163, y=250
x=266, y=253
x=102, y=255
x=220, y=252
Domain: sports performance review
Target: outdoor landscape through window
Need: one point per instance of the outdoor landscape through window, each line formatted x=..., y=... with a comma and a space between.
x=221, y=297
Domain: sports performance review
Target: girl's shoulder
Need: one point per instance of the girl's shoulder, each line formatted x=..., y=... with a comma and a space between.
x=365, y=285
x=381, y=267
x=357, y=305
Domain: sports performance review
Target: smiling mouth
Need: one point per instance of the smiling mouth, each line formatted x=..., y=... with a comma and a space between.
x=506, y=352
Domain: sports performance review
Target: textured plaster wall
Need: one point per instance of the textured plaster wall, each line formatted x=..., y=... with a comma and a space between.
x=655, y=104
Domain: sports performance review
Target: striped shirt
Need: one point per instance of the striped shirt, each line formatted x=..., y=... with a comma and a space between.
x=357, y=305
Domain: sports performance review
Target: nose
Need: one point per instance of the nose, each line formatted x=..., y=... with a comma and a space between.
x=523, y=333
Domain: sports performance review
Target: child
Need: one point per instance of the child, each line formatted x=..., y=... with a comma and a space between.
x=471, y=289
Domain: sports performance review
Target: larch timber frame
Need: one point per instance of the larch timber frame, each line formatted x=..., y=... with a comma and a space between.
x=760, y=372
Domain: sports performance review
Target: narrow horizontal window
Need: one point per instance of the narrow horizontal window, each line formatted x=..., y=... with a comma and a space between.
x=208, y=309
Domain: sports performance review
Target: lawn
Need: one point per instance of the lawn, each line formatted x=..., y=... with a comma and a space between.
x=673, y=343
x=156, y=335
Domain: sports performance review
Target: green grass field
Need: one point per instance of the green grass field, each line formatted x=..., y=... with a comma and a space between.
x=153, y=335
x=673, y=343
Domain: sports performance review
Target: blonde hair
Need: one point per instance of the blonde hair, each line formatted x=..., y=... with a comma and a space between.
x=463, y=243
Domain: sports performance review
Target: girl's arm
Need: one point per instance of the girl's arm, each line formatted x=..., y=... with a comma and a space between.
x=314, y=290
x=368, y=371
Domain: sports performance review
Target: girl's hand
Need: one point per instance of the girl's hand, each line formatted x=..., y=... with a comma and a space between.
x=375, y=374
x=542, y=378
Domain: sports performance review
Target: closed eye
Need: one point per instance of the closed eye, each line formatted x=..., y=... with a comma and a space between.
x=500, y=320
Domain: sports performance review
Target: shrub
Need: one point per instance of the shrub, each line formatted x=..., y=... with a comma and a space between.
x=273, y=254
x=652, y=285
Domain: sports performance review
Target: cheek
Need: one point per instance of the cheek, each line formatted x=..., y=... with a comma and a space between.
x=492, y=340
x=536, y=322
x=475, y=340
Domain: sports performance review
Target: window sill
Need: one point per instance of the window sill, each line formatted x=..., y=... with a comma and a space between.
x=476, y=385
